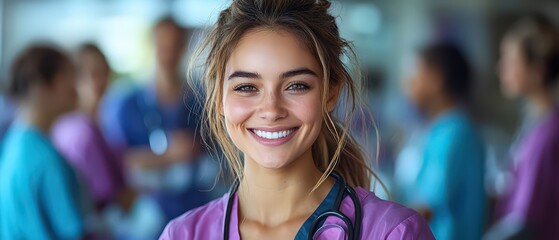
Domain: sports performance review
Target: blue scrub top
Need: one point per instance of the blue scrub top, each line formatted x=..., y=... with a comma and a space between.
x=130, y=116
x=39, y=192
x=450, y=180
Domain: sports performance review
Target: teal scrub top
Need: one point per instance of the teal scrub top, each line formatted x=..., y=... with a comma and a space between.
x=39, y=193
x=451, y=177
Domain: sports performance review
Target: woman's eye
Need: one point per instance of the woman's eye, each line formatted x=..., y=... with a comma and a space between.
x=298, y=87
x=245, y=89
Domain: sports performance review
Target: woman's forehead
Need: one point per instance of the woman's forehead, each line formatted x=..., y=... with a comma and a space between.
x=271, y=51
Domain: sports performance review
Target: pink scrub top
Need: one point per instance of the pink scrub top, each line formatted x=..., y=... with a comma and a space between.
x=81, y=142
x=381, y=220
x=534, y=193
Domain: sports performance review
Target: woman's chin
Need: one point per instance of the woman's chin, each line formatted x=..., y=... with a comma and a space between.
x=276, y=158
x=271, y=161
x=273, y=164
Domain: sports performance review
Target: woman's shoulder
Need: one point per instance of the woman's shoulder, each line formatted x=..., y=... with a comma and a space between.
x=550, y=127
x=390, y=219
x=75, y=129
x=544, y=137
x=199, y=222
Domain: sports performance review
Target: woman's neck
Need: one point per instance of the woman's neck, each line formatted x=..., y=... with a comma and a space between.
x=271, y=197
x=89, y=108
x=168, y=88
x=440, y=106
x=540, y=103
x=37, y=116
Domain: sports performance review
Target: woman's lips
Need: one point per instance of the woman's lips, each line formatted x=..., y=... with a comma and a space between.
x=273, y=137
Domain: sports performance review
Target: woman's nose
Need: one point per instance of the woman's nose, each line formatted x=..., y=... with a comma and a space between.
x=272, y=107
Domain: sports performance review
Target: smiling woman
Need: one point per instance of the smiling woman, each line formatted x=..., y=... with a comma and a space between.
x=273, y=86
x=273, y=77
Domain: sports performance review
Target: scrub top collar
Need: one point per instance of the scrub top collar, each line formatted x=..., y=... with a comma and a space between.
x=326, y=205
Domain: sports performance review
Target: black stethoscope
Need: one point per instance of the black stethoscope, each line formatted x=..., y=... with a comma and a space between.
x=354, y=230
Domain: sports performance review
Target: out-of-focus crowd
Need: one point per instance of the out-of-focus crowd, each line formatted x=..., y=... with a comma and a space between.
x=81, y=160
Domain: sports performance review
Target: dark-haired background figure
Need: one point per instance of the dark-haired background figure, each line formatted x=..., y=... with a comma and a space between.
x=448, y=188
x=153, y=128
x=529, y=70
x=40, y=192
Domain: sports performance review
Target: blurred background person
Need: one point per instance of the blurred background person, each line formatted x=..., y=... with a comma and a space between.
x=529, y=69
x=78, y=137
x=40, y=196
x=448, y=188
x=157, y=125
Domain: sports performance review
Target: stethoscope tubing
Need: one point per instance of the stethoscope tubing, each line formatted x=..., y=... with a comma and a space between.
x=353, y=229
x=228, y=209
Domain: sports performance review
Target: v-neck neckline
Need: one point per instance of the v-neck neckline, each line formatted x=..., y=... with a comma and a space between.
x=302, y=233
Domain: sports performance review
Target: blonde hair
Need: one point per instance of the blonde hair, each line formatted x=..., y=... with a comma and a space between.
x=335, y=149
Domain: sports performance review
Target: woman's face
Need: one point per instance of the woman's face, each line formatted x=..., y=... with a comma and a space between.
x=423, y=85
x=169, y=46
x=62, y=92
x=514, y=72
x=93, y=77
x=271, y=98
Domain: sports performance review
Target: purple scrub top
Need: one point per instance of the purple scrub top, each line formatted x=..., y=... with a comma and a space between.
x=534, y=193
x=381, y=220
x=81, y=142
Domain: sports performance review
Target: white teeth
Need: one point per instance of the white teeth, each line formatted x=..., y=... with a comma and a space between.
x=272, y=135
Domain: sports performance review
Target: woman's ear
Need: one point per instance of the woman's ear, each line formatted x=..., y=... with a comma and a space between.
x=333, y=94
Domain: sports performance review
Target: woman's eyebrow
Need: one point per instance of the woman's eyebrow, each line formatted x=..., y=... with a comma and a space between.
x=243, y=74
x=288, y=74
x=296, y=72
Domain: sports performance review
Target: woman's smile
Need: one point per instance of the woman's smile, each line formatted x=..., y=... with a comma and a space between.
x=273, y=136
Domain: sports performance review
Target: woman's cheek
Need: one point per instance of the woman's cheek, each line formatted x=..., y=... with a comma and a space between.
x=308, y=109
x=514, y=78
x=237, y=109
